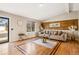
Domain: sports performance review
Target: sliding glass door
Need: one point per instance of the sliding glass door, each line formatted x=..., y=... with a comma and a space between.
x=4, y=29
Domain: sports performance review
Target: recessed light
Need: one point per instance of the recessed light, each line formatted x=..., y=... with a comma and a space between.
x=40, y=5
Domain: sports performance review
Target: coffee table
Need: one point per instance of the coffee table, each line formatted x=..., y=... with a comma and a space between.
x=45, y=39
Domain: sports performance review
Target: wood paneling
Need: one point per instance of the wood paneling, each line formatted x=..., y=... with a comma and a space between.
x=63, y=24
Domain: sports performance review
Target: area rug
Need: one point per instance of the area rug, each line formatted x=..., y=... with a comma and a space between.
x=37, y=47
x=48, y=44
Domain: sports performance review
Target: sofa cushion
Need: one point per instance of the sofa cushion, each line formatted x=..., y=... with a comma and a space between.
x=55, y=32
x=60, y=32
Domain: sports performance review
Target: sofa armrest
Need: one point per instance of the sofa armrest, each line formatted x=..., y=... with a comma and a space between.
x=64, y=36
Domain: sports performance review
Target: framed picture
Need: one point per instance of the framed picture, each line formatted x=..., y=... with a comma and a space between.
x=54, y=25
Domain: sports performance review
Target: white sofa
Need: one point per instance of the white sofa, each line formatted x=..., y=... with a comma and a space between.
x=56, y=35
x=63, y=36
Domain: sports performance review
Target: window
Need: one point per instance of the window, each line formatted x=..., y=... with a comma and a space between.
x=4, y=29
x=30, y=26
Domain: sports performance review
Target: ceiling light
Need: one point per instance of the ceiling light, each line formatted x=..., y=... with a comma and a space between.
x=40, y=5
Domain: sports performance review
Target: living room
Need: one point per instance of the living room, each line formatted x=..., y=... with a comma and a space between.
x=38, y=30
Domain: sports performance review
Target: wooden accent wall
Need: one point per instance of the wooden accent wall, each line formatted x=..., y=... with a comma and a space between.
x=63, y=24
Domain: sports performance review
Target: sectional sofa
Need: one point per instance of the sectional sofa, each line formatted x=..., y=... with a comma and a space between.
x=56, y=35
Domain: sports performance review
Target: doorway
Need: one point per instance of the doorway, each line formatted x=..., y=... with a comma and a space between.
x=4, y=29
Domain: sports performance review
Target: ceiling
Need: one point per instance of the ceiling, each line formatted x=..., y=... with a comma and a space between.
x=39, y=11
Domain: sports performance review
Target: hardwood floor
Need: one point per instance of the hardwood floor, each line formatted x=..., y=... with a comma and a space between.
x=66, y=48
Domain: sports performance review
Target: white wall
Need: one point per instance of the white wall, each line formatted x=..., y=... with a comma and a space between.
x=13, y=23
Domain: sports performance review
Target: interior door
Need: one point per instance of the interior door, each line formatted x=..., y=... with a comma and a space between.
x=4, y=29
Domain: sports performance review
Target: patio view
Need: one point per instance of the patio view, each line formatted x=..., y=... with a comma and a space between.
x=3, y=30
